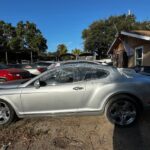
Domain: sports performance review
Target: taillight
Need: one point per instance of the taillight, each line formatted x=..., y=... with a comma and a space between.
x=14, y=74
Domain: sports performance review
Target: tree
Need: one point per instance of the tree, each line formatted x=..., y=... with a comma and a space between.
x=7, y=34
x=31, y=38
x=20, y=35
x=100, y=34
x=3, y=41
x=76, y=51
x=61, y=49
x=25, y=37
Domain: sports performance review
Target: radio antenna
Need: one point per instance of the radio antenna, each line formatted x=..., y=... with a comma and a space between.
x=117, y=32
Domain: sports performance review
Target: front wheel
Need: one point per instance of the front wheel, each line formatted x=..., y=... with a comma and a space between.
x=7, y=113
x=122, y=111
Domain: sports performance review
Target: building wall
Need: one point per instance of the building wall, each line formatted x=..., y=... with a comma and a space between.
x=131, y=61
x=146, y=55
x=117, y=56
x=133, y=43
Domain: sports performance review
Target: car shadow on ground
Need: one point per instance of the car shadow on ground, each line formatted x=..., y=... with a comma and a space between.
x=136, y=137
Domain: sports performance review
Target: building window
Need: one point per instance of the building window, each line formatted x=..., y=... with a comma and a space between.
x=138, y=56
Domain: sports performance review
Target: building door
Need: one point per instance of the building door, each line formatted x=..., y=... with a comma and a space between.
x=125, y=60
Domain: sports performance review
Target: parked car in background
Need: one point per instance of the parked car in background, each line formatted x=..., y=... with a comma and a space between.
x=44, y=63
x=34, y=69
x=7, y=73
x=25, y=62
x=78, y=89
x=145, y=70
x=105, y=62
x=73, y=62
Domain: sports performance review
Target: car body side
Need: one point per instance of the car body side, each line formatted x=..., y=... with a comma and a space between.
x=96, y=95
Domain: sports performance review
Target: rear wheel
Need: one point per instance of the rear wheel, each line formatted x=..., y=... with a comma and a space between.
x=122, y=111
x=7, y=113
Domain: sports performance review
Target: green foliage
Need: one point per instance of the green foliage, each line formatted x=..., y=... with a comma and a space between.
x=61, y=49
x=25, y=36
x=100, y=34
x=76, y=51
x=7, y=33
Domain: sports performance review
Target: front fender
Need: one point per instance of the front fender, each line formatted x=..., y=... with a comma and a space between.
x=14, y=100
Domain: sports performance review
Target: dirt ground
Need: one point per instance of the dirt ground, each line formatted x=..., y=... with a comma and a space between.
x=75, y=133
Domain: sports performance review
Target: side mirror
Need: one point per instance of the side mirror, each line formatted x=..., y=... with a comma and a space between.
x=37, y=84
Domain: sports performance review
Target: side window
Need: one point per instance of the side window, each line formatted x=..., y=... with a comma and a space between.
x=66, y=75
x=93, y=74
x=50, y=77
x=58, y=76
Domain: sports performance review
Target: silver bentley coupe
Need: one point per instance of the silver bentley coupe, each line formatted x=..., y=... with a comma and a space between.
x=78, y=88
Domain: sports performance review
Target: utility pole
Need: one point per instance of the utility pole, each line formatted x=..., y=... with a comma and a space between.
x=31, y=57
x=6, y=56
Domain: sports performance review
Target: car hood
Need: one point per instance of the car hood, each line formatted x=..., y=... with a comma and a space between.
x=12, y=84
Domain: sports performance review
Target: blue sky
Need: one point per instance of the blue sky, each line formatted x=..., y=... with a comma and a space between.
x=62, y=21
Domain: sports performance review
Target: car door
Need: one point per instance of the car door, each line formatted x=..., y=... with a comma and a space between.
x=96, y=80
x=61, y=94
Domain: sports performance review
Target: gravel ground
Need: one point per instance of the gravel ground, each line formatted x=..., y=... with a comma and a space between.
x=75, y=133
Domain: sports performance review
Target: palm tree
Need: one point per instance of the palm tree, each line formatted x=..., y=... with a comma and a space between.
x=76, y=52
x=61, y=49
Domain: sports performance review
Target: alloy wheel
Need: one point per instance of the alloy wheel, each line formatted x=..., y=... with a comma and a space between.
x=123, y=112
x=4, y=113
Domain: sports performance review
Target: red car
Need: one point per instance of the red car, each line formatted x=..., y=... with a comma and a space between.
x=7, y=74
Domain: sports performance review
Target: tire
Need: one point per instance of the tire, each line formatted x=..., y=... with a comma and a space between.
x=7, y=114
x=122, y=110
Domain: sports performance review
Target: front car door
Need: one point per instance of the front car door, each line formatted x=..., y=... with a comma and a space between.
x=60, y=92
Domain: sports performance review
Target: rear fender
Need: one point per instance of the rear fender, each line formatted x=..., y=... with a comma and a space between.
x=136, y=98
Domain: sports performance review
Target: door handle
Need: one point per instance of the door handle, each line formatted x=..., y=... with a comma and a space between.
x=78, y=88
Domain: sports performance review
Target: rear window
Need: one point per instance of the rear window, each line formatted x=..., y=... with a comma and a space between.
x=95, y=74
x=92, y=73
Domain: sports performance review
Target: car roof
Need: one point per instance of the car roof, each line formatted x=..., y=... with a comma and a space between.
x=45, y=62
x=85, y=63
x=78, y=61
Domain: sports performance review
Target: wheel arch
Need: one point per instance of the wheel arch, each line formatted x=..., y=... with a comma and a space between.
x=136, y=99
x=11, y=104
x=1, y=77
